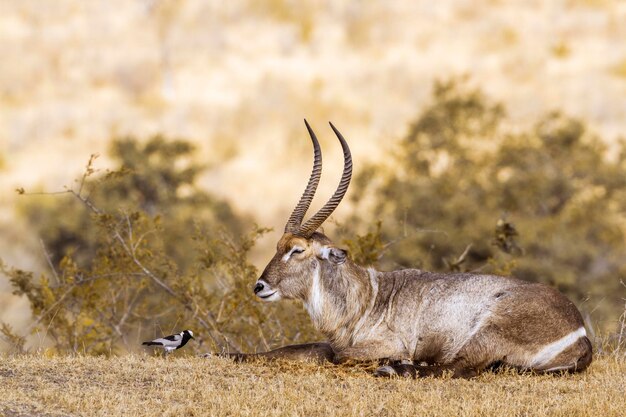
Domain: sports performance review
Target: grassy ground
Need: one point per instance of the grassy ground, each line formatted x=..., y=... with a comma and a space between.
x=142, y=385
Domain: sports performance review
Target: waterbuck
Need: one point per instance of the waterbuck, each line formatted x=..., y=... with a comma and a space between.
x=422, y=323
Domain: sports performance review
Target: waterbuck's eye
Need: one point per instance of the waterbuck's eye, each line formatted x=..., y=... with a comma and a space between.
x=295, y=249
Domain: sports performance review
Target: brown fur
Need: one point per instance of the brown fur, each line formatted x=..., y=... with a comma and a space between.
x=514, y=319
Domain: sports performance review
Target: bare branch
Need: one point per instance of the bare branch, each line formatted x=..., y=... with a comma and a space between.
x=86, y=202
x=49, y=260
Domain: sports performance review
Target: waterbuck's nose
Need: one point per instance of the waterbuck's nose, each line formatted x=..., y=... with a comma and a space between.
x=258, y=287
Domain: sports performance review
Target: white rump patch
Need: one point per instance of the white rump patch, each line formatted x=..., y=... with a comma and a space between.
x=549, y=352
x=560, y=368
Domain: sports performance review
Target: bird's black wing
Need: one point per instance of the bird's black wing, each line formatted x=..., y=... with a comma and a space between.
x=167, y=341
x=173, y=337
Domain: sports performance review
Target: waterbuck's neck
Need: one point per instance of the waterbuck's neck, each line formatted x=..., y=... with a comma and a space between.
x=338, y=297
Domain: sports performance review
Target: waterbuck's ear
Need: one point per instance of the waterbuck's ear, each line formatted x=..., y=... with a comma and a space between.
x=333, y=254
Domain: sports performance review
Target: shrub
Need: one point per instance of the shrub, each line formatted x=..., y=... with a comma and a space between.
x=139, y=251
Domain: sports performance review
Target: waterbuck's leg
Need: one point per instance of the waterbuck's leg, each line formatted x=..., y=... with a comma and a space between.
x=470, y=360
x=366, y=352
x=488, y=347
x=406, y=370
x=458, y=370
x=316, y=352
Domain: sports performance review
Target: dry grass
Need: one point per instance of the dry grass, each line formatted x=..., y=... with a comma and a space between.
x=142, y=385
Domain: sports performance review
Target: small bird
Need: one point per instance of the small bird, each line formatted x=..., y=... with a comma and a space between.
x=171, y=342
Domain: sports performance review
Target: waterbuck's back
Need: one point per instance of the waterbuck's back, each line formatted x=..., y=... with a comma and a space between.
x=444, y=314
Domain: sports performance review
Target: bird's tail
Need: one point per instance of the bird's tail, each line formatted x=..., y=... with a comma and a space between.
x=151, y=343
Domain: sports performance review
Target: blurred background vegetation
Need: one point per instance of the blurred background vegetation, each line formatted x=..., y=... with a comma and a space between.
x=487, y=136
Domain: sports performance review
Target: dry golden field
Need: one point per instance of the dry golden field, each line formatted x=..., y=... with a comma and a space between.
x=138, y=385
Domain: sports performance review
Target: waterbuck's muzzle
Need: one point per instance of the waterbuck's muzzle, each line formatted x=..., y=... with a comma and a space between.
x=265, y=291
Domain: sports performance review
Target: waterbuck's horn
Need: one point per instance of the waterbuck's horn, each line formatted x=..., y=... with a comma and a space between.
x=311, y=225
x=295, y=220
